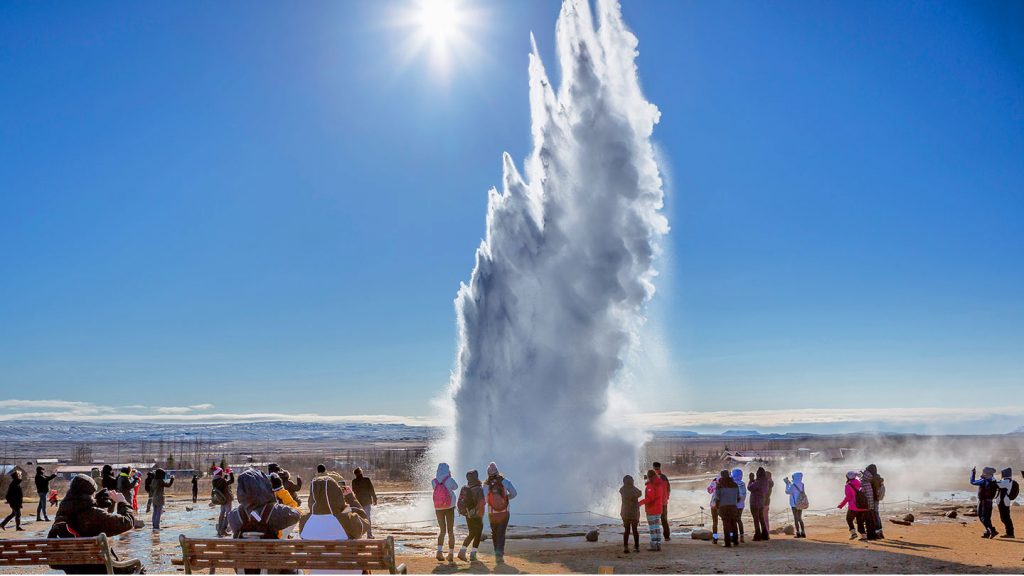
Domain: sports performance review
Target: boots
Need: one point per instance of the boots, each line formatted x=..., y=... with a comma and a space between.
x=462, y=554
x=439, y=555
x=853, y=534
x=451, y=555
x=472, y=556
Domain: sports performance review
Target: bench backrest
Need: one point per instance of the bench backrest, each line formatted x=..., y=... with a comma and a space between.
x=55, y=551
x=213, y=554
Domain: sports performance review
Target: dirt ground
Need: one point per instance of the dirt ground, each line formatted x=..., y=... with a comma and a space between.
x=932, y=545
x=939, y=546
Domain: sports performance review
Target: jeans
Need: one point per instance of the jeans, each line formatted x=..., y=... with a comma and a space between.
x=498, y=529
x=634, y=527
x=445, y=525
x=41, y=509
x=985, y=515
x=739, y=520
x=1004, y=517
x=476, y=531
x=369, y=521
x=730, y=530
x=759, y=530
x=157, y=512
x=798, y=521
x=222, y=520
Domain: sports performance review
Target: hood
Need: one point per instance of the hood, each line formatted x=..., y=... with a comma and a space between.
x=82, y=487
x=872, y=468
x=627, y=480
x=988, y=472
x=473, y=478
x=160, y=474
x=761, y=474
x=1007, y=473
x=492, y=469
x=442, y=471
x=254, y=489
x=855, y=482
x=108, y=470
x=737, y=475
x=326, y=496
x=284, y=475
x=798, y=478
x=852, y=474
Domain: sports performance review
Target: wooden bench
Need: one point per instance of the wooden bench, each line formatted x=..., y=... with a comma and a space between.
x=62, y=552
x=232, y=554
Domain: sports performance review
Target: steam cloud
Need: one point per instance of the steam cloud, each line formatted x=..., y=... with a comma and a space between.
x=561, y=280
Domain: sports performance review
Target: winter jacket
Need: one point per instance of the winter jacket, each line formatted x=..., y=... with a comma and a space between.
x=1005, y=483
x=15, y=497
x=126, y=484
x=493, y=482
x=852, y=487
x=224, y=485
x=867, y=488
x=107, y=479
x=711, y=490
x=292, y=487
x=472, y=495
x=795, y=488
x=654, y=492
x=757, y=489
x=195, y=484
x=43, y=482
x=727, y=493
x=444, y=475
x=630, y=499
x=81, y=516
x=877, y=489
x=987, y=485
x=160, y=481
x=667, y=486
x=285, y=497
x=326, y=496
x=737, y=477
x=255, y=494
x=363, y=487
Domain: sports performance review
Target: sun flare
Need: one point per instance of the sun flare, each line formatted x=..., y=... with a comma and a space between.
x=441, y=31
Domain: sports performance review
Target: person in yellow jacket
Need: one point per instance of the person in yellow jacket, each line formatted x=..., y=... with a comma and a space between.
x=284, y=497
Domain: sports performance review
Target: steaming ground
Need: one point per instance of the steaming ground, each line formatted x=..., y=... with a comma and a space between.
x=562, y=278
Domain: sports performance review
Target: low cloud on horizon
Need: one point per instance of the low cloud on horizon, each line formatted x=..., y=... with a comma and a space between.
x=817, y=420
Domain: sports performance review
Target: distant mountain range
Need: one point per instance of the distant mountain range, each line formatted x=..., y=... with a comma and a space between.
x=41, y=430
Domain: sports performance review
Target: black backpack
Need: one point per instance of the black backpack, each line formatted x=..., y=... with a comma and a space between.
x=1014, y=490
x=250, y=525
x=861, y=499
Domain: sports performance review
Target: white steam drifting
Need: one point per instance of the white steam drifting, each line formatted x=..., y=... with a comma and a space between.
x=558, y=293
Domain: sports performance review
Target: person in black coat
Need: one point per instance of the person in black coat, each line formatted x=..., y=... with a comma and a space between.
x=15, y=498
x=195, y=488
x=42, y=489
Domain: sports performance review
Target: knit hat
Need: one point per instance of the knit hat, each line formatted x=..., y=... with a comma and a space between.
x=851, y=474
x=988, y=472
x=1007, y=472
x=492, y=469
x=218, y=472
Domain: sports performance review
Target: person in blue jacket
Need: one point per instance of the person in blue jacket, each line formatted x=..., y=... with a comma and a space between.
x=988, y=488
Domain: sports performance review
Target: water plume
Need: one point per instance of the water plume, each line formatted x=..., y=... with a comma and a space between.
x=562, y=278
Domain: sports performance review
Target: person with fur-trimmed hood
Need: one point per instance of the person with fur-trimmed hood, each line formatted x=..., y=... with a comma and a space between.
x=291, y=486
x=83, y=513
x=258, y=513
x=873, y=486
x=334, y=513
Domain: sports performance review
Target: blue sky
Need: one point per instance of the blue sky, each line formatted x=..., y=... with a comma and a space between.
x=269, y=207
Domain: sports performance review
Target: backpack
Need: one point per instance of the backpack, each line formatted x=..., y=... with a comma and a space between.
x=880, y=491
x=801, y=500
x=1014, y=490
x=497, y=499
x=861, y=500
x=254, y=526
x=463, y=503
x=442, y=497
x=218, y=498
x=149, y=484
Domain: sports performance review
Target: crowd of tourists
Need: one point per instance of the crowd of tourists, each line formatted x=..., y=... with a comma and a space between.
x=268, y=505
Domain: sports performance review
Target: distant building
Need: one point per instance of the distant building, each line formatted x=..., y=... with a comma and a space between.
x=797, y=455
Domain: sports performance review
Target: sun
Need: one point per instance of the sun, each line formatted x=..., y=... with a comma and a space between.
x=440, y=31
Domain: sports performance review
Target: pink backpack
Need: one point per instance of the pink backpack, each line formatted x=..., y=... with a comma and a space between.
x=442, y=497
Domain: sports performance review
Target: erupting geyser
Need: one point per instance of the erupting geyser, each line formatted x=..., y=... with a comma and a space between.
x=562, y=278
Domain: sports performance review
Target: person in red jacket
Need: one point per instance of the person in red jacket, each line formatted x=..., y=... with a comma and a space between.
x=653, y=503
x=666, y=493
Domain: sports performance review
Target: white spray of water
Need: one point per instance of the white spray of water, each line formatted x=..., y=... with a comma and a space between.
x=558, y=293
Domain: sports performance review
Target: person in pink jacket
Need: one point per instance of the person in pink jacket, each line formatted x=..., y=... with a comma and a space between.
x=855, y=510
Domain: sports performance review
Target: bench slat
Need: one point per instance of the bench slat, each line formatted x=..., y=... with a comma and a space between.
x=208, y=554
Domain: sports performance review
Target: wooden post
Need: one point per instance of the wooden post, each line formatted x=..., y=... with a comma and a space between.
x=183, y=540
x=108, y=559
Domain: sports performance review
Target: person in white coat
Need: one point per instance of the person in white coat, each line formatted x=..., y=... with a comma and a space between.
x=331, y=517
